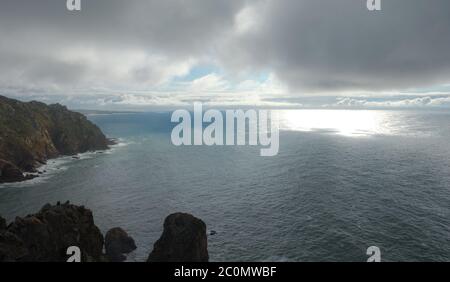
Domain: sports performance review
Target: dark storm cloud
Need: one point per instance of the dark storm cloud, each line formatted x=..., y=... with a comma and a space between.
x=311, y=45
x=180, y=27
x=329, y=45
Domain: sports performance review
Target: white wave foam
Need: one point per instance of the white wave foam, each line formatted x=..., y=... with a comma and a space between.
x=120, y=144
x=44, y=172
x=60, y=164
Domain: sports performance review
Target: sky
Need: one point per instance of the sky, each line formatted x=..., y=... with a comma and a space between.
x=142, y=54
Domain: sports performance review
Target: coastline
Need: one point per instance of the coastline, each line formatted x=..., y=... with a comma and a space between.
x=52, y=166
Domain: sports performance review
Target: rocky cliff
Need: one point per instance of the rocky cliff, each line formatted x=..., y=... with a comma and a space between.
x=33, y=132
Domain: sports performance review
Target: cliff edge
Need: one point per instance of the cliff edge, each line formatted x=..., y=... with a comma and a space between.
x=33, y=132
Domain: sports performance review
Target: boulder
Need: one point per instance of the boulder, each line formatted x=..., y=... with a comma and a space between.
x=184, y=239
x=117, y=243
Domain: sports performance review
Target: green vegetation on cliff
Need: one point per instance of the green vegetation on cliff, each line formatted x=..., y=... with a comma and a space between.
x=33, y=132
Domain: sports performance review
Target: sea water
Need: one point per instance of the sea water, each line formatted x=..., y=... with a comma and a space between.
x=343, y=180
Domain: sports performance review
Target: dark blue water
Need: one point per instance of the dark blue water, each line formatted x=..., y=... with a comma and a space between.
x=338, y=185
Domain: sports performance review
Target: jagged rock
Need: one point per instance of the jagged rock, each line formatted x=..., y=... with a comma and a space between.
x=117, y=243
x=33, y=132
x=47, y=234
x=183, y=240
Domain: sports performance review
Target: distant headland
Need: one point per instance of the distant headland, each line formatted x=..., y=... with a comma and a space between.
x=33, y=132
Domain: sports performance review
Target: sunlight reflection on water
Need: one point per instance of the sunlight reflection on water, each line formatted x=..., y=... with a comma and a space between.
x=343, y=122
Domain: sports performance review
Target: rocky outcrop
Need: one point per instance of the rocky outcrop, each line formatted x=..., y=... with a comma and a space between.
x=46, y=235
x=183, y=240
x=118, y=243
x=33, y=132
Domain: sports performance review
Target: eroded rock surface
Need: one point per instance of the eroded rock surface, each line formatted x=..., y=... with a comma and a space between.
x=118, y=243
x=184, y=239
x=46, y=235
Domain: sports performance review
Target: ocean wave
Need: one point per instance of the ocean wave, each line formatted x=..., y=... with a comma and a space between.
x=57, y=165
x=44, y=172
x=120, y=144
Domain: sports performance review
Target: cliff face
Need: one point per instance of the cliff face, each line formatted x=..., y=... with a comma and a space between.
x=32, y=132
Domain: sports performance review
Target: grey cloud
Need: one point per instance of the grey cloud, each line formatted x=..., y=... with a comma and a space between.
x=178, y=27
x=328, y=45
x=36, y=37
x=311, y=45
x=414, y=102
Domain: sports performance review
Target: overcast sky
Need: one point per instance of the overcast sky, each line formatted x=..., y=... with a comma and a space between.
x=117, y=54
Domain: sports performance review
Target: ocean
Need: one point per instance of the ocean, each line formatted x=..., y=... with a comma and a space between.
x=344, y=180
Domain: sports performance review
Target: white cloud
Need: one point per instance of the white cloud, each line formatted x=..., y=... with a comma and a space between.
x=208, y=83
x=417, y=102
